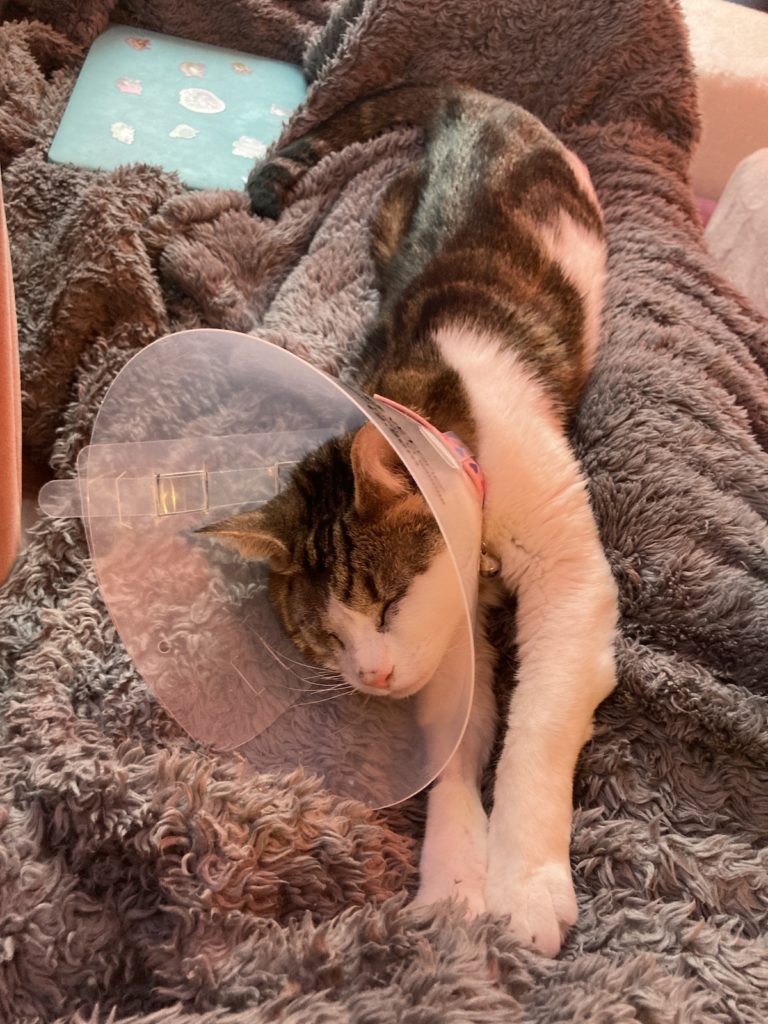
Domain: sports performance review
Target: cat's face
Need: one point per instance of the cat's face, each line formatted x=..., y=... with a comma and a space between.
x=360, y=576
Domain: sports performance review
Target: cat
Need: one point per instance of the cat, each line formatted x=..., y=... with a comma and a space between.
x=490, y=254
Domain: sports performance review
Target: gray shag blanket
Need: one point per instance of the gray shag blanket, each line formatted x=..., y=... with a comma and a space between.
x=144, y=878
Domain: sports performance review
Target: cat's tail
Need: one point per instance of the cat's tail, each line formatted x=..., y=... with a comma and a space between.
x=270, y=182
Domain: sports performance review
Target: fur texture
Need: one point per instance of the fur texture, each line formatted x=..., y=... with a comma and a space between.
x=140, y=874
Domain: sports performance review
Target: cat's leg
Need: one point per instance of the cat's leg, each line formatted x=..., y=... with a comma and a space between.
x=551, y=555
x=538, y=520
x=454, y=852
x=270, y=182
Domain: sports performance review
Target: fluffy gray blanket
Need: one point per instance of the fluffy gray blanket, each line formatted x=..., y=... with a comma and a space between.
x=144, y=877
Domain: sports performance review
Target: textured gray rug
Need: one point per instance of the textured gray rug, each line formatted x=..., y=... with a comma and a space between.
x=141, y=876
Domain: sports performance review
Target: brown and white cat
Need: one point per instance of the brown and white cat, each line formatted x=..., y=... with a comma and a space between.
x=491, y=260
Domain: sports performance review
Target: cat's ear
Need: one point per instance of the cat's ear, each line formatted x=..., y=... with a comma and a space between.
x=253, y=535
x=381, y=479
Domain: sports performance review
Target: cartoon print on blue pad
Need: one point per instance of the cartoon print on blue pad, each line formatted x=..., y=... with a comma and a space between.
x=130, y=85
x=202, y=111
x=183, y=131
x=201, y=101
x=192, y=69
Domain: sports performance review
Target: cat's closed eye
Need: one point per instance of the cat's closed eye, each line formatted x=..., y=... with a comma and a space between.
x=335, y=639
x=384, y=614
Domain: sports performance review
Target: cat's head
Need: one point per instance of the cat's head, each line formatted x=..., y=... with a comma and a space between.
x=360, y=576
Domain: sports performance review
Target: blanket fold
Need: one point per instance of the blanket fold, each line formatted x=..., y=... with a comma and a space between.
x=145, y=877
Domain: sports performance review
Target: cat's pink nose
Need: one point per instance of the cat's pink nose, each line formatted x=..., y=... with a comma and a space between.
x=380, y=678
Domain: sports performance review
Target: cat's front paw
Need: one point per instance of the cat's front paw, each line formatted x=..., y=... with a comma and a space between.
x=467, y=887
x=455, y=850
x=540, y=901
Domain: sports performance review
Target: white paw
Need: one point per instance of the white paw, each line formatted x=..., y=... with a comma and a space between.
x=540, y=902
x=465, y=886
x=454, y=856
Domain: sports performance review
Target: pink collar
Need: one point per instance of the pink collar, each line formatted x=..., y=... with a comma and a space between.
x=454, y=444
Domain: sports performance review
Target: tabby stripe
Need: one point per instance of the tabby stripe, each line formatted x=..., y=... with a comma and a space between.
x=344, y=548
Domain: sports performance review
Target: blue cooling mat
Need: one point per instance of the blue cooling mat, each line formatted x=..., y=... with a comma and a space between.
x=202, y=111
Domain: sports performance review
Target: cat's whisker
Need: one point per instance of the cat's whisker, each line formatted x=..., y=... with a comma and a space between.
x=309, y=690
x=323, y=700
x=316, y=672
x=303, y=664
x=310, y=686
x=331, y=677
x=280, y=659
x=321, y=681
x=328, y=687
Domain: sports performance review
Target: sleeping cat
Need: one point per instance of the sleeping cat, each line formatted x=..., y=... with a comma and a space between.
x=491, y=258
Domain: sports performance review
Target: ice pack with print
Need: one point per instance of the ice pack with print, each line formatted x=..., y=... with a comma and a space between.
x=203, y=111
